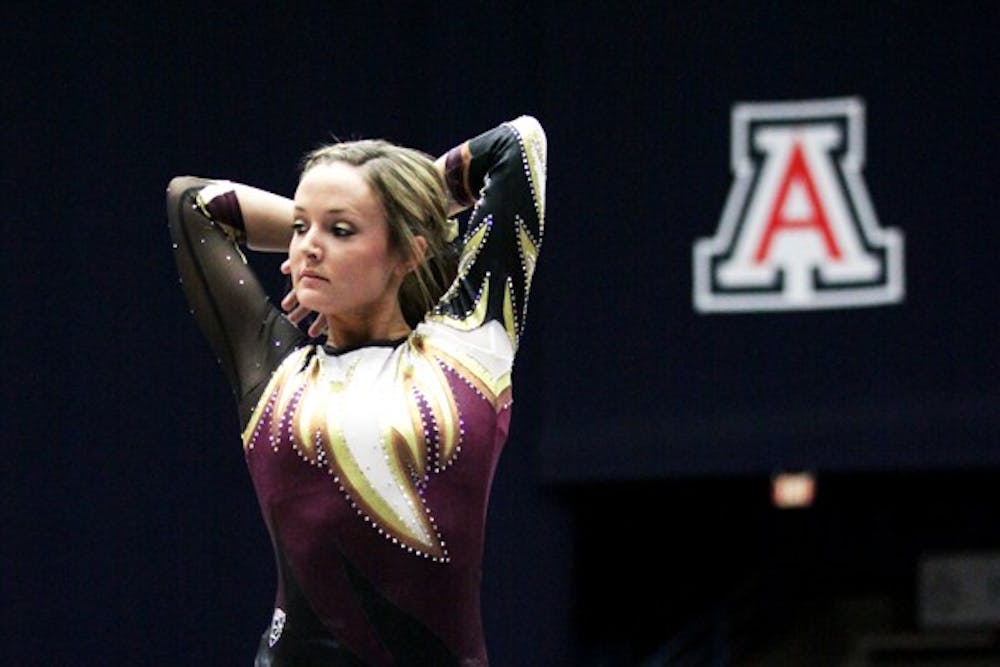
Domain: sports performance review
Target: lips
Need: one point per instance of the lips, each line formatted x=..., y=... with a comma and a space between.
x=312, y=275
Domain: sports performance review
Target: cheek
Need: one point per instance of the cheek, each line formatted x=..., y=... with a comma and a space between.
x=375, y=258
x=294, y=246
x=294, y=257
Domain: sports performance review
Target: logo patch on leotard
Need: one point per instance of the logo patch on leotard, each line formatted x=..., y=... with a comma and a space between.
x=277, y=625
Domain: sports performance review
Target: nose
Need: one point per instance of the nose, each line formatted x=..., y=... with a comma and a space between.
x=310, y=245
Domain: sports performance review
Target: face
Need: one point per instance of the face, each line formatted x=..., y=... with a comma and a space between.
x=341, y=261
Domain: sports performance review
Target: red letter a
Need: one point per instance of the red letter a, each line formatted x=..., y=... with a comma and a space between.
x=797, y=173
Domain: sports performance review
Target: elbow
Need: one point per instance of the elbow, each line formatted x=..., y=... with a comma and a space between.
x=181, y=185
x=178, y=185
x=532, y=137
x=530, y=125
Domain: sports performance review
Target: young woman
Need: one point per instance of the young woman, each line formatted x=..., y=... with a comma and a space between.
x=372, y=453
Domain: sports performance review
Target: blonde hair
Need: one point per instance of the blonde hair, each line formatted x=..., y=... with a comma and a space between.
x=413, y=196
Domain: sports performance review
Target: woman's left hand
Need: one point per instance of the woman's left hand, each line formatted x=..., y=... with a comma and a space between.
x=296, y=312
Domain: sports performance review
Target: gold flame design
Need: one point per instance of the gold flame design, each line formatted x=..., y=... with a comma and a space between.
x=420, y=436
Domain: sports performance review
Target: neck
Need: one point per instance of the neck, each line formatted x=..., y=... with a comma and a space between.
x=347, y=331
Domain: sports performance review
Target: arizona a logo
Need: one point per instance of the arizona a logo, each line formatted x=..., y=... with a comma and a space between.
x=798, y=231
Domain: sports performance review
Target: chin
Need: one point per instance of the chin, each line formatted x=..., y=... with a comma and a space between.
x=312, y=301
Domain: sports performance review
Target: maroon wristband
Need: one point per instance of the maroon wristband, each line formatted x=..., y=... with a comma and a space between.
x=225, y=209
x=456, y=175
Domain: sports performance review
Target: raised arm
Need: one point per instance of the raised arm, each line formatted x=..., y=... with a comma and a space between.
x=261, y=219
x=207, y=221
x=501, y=173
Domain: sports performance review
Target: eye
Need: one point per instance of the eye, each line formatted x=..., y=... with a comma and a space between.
x=298, y=227
x=342, y=229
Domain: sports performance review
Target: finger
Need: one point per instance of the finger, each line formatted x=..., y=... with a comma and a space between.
x=289, y=302
x=318, y=327
x=298, y=314
x=286, y=267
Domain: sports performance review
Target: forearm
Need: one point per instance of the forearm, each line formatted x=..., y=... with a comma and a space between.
x=465, y=167
x=268, y=218
x=263, y=219
x=257, y=218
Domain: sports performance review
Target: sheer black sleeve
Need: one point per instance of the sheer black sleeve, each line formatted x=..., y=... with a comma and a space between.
x=506, y=167
x=249, y=335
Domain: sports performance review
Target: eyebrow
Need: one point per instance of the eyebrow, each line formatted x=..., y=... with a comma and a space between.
x=334, y=211
x=330, y=210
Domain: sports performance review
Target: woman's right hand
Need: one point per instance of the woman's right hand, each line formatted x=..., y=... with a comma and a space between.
x=296, y=312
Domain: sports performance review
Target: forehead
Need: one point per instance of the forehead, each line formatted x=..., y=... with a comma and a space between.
x=336, y=186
